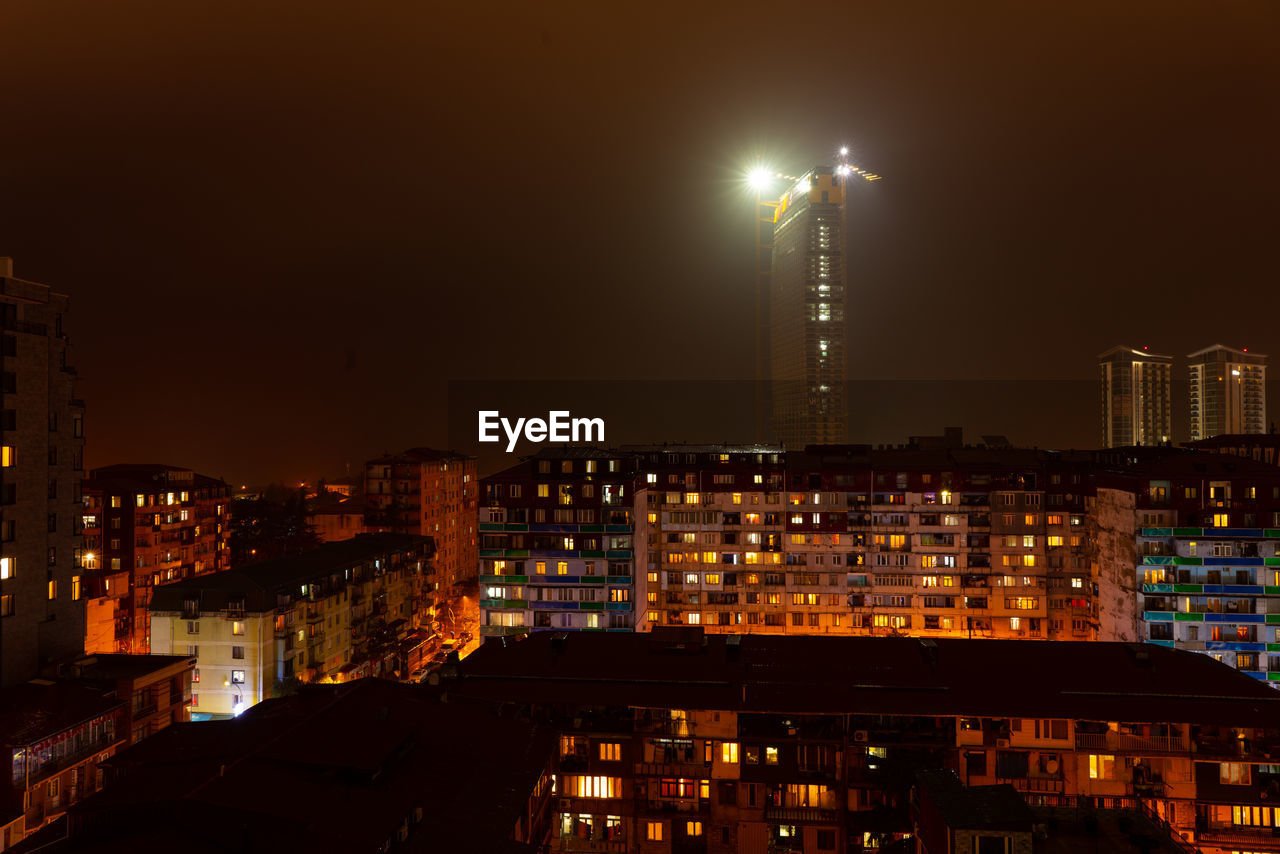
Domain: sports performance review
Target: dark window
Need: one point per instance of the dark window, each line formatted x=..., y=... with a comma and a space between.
x=975, y=763
x=1012, y=764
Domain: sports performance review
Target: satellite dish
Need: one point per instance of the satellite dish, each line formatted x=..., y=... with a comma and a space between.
x=1051, y=766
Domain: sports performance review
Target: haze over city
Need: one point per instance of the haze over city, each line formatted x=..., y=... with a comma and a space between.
x=290, y=231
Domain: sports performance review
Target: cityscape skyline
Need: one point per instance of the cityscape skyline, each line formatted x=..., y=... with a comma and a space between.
x=639, y=429
x=962, y=272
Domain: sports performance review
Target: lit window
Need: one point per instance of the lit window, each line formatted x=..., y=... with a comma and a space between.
x=653, y=829
x=1220, y=520
x=610, y=751
x=237, y=627
x=592, y=786
x=6, y=568
x=729, y=752
x=771, y=756
x=693, y=828
x=237, y=677
x=53, y=589
x=562, y=567
x=1101, y=766
x=540, y=567
x=6, y=456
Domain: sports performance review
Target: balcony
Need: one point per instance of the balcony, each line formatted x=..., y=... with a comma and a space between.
x=673, y=769
x=1115, y=742
x=569, y=844
x=801, y=815
x=1262, y=838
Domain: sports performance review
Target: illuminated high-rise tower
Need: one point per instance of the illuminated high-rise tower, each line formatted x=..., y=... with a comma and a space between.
x=1228, y=392
x=806, y=302
x=1135, y=397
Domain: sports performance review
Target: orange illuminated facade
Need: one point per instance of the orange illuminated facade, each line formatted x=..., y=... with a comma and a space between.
x=428, y=493
x=145, y=526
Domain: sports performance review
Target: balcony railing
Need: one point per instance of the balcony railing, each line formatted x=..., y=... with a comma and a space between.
x=1126, y=743
x=1252, y=837
x=810, y=815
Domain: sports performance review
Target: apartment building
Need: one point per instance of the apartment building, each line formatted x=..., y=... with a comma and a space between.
x=146, y=526
x=428, y=493
x=557, y=543
x=57, y=733
x=334, y=516
x=1136, y=403
x=677, y=740
x=41, y=461
x=338, y=612
x=1259, y=447
x=965, y=542
x=1228, y=392
x=1210, y=558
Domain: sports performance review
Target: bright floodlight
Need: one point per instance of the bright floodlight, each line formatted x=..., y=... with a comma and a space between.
x=759, y=178
x=844, y=151
x=843, y=169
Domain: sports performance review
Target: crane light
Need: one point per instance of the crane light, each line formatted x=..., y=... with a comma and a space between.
x=759, y=178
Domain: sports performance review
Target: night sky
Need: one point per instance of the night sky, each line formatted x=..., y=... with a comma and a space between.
x=285, y=230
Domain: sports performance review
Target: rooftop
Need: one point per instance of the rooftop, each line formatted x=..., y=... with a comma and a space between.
x=975, y=807
x=41, y=708
x=121, y=666
x=870, y=675
x=266, y=577
x=290, y=772
x=147, y=477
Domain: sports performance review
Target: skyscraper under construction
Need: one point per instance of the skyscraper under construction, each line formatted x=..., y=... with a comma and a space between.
x=806, y=303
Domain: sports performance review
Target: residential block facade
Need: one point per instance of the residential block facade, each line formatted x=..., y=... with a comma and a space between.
x=432, y=494
x=679, y=741
x=41, y=462
x=335, y=613
x=146, y=526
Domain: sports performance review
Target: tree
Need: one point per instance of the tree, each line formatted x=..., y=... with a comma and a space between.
x=272, y=525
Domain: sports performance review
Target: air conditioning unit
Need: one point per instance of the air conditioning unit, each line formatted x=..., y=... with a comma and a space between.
x=860, y=736
x=1002, y=742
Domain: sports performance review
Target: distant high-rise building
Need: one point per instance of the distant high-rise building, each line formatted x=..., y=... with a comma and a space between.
x=806, y=312
x=1228, y=392
x=429, y=493
x=41, y=456
x=1135, y=397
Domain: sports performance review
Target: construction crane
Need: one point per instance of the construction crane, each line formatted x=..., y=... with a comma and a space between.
x=767, y=210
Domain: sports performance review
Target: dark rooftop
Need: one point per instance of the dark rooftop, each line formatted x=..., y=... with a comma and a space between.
x=116, y=666
x=300, y=770
x=43, y=707
x=861, y=675
x=147, y=477
x=257, y=582
x=964, y=807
